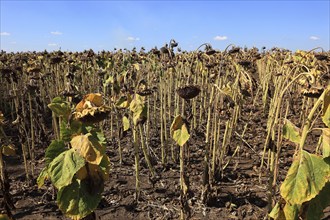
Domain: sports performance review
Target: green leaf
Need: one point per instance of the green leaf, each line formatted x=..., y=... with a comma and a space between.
x=126, y=124
x=179, y=131
x=277, y=213
x=291, y=211
x=42, y=176
x=285, y=213
x=291, y=132
x=55, y=148
x=98, y=134
x=105, y=167
x=69, y=130
x=306, y=177
x=63, y=168
x=57, y=100
x=60, y=107
x=326, y=108
x=326, y=142
x=65, y=131
x=77, y=200
x=319, y=203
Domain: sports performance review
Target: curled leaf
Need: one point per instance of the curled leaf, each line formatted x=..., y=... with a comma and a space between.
x=90, y=100
x=291, y=132
x=124, y=101
x=326, y=108
x=9, y=150
x=60, y=107
x=179, y=131
x=126, y=124
x=42, y=176
x=277, y=213
x=326, y=142
x=89, y=148
x=139, y=109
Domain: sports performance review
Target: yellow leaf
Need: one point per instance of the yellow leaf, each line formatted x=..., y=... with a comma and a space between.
x=139, y=109
x=290, y=211
x=95, y=98
x=90, y=100
x=124, y=101
x=80, y=106
x=291, y=132
x=315, y=72
x=326, y=142
x=277, y=213
x=326, y=108
x=88, y=148
x=136, y=66
x=8, y=150
x=306, y=177
x=179, y=131
x=126, y=124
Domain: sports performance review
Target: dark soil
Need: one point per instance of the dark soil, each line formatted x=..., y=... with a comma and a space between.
x=239, y=193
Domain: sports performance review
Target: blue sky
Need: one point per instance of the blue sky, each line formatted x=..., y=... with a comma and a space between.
x=103, y=25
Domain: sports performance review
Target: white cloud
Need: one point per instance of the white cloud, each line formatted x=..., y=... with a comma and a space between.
x=4, y=34
x=220, y=38
x=52, y=44
x=56, y=33
x=314, y=38
x=133, y=38
x=122, y=38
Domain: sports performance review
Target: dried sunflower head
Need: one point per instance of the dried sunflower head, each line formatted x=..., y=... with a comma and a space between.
x=244, y=63
x=92, y=114
x=313, y=92
x=55, y=59
x=145, y=92
x=234, y=50
x=91, y=109
x=188, y=92
x=321, y=56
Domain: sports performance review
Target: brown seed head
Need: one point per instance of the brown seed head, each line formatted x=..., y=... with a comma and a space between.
x=188, y=92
